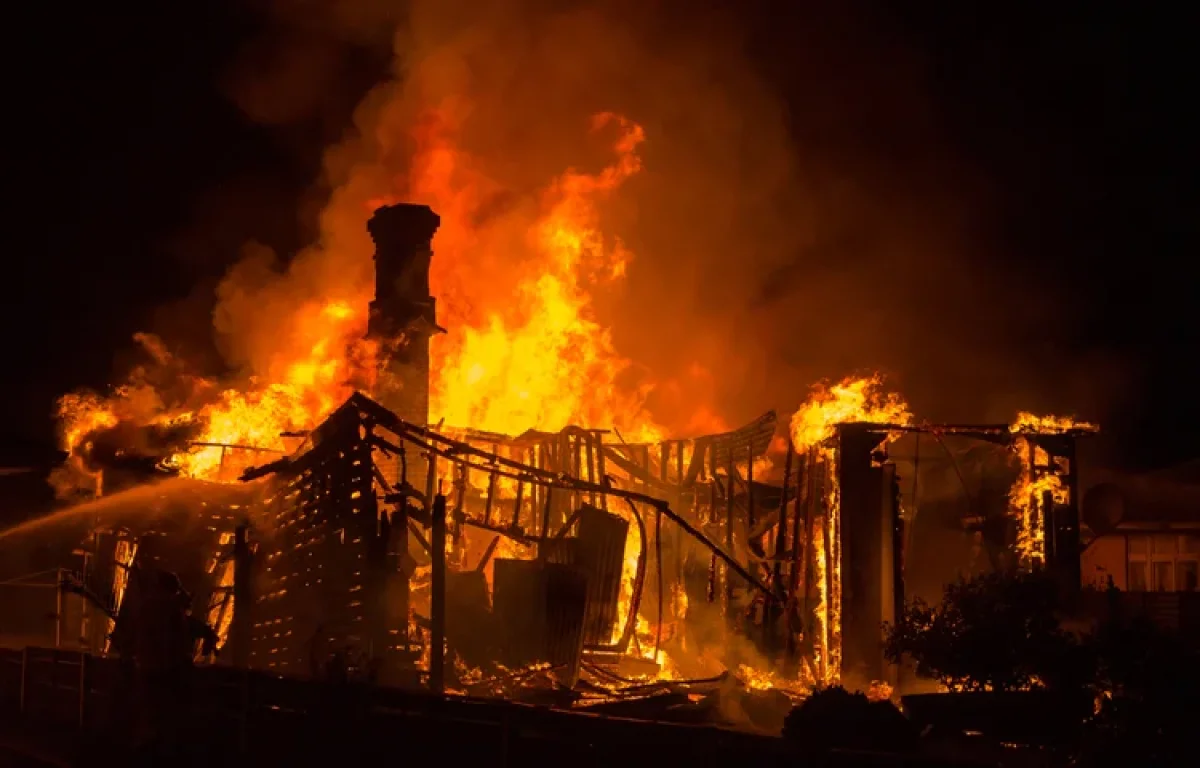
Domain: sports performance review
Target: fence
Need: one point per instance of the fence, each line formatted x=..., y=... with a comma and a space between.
x=1172, y=611
x=271, y=720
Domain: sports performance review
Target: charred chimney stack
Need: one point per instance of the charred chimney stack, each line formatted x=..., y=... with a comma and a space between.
x=403, y=315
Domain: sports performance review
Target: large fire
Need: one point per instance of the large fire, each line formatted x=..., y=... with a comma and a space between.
x=526, y=353
x=529, y=354
x=853, y=399
x=526, y=349
x=1036, y=478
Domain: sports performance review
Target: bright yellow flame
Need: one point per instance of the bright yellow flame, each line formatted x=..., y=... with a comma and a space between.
x=301, y=392
x=220, y=614
x=766, y=680
x=853, y=399
x=1036, y=478
x=534, y=357
x=123, y=555
x=525, y=353
x=1049, y=425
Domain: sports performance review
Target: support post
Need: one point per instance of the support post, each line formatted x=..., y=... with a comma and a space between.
x=23, y=695
x=243, y=598
x=1069, y=548
x=600, y=468
x=781, y=541
x=83, y=688
x=403, y=568
x=750, y=487
x=437, y=599
x=59, y=606
x=491, y=490
x=729, y=472
x=591, y=466
x=712, y=520
x=814, y=474
x=897, y=553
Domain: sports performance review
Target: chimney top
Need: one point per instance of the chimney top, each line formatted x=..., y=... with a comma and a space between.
x=403, y=223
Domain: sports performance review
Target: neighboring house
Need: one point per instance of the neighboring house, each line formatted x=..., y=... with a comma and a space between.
x=1143, y=533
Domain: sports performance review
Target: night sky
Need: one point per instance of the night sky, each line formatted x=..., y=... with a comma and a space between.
x=129, y=153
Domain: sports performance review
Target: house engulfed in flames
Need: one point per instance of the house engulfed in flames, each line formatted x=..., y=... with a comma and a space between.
x=473, y=561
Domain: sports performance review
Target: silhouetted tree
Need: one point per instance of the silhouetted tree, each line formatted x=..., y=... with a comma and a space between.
x=834, y=718
x=1150, y=697
x=996, y=631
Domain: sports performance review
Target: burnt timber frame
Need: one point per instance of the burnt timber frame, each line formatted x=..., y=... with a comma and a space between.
x=872, y=523
x=354, y=477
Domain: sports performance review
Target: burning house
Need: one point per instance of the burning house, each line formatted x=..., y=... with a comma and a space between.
x=381, y=546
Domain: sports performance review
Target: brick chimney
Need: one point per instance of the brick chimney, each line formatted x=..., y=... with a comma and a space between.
x=403, y=313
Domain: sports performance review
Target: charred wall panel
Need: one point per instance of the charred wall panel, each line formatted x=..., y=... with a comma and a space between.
x=322, y=587
x=601, y=556
x=539, y=609
x=185, y=533
x=598, y=551
x=566, y=605
x=469, y=628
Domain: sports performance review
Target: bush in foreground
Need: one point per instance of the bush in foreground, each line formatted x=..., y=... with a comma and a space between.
x=834, y=718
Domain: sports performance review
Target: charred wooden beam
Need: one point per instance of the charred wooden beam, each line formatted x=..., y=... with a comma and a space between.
x=487, y=554
x=437, y=599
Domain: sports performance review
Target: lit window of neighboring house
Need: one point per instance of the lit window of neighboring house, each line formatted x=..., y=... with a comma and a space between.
x=1164, y=562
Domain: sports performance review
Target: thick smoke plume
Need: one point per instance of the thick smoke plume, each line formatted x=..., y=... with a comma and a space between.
x=782, y=230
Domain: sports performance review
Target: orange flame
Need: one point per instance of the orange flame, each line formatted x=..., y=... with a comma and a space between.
x=301, y=390
x=529, y=352
x=853, y=399
x=1049, y=425
x=524, y=353
x=1036, y=478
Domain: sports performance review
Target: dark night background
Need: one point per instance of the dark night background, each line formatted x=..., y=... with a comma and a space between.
x=1078, y=116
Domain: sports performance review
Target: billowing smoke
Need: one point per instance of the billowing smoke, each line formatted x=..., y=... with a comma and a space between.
x=784, y=228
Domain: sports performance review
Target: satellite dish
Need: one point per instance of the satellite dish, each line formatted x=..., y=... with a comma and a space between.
x=1104, y=507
